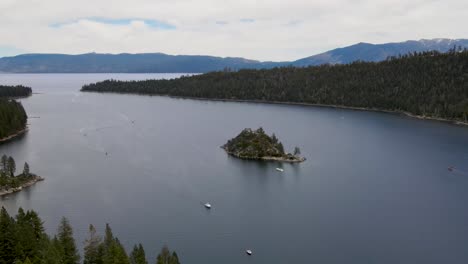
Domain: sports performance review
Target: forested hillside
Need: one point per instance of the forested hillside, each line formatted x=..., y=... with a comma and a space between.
x=432, y=84
x=12, y=114
x=24, y=241
x=12, y=117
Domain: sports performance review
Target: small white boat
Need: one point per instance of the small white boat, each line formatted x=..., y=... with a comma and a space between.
x=249, y=252
x=207, y=206
x=279, y=169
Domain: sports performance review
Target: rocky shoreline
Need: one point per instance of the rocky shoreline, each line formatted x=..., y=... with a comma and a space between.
x=12, y=136
x=289, y=159
x=396, y=112
x=27, y=184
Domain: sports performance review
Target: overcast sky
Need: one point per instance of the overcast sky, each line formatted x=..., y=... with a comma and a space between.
x=264, y=29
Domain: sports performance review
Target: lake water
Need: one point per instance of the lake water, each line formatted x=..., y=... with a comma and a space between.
x=375, y=187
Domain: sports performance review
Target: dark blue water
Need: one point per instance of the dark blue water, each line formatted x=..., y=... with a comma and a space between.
x=375, y=187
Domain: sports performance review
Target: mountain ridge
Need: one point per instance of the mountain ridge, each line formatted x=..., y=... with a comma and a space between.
x=164, y=63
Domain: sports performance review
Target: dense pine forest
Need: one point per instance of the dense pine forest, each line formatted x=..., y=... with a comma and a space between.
x=14, y=91
x=23, y=240
x=12, y=117
x=430, y=84
x=12, y=114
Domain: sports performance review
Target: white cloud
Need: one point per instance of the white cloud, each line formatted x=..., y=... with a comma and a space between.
x=257, y=29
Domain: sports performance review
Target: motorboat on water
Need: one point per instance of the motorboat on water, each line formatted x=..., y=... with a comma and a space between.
x=279, y=169
x=249, y=252
x=207, y=206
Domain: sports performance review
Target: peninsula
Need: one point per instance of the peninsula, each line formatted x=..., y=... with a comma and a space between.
x=13, y=117
x=9, y=183
x=256, y=144
x=429, y=85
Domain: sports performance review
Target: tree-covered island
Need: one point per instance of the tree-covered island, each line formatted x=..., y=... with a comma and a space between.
x=9, y=183
x=256, y=144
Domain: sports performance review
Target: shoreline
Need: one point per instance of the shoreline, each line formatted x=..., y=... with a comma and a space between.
x=13, y=136
x=21, y=96
x=21, y=187
x=395, y=112
x=403, y=113
x=268, y=158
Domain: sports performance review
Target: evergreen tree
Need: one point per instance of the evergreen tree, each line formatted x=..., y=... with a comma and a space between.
x=7, y=238
x=11, y=166
x=67, y=243
x=107, y=245
x=113, y=251
x=120, y=256
x=274, y=139
x=36, y=223
x=297, y=151
x=27, y=242
x=92, y=248
x=49, y=252
x=138, y=255
x=53, y=252
x=166, y=257
x=280, y=147
x=175, y=258
x=4, y=164
x=26, y=169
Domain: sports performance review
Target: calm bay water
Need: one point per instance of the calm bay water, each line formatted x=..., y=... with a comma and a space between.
x=375, y=187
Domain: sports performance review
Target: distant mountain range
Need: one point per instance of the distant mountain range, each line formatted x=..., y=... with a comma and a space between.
x=379, y=52
x=163, y=63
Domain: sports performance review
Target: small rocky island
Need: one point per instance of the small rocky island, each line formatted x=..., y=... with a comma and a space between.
x=9, y=183
x=256, y=144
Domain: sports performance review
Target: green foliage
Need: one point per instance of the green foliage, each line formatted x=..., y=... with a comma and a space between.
x=254, y=144
x=429, y=83
x=166, y=257
x=26, y=169
x=4, y=163
x=68, y=250
x=12, y=117
x=23, y=240
x=138, y=255
x=7, y=178
x=14, y=91
x=29, y=233
x=113, y=251
x=92, y=248
x=11, y=166
x=8, y=238
x=297, y=151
